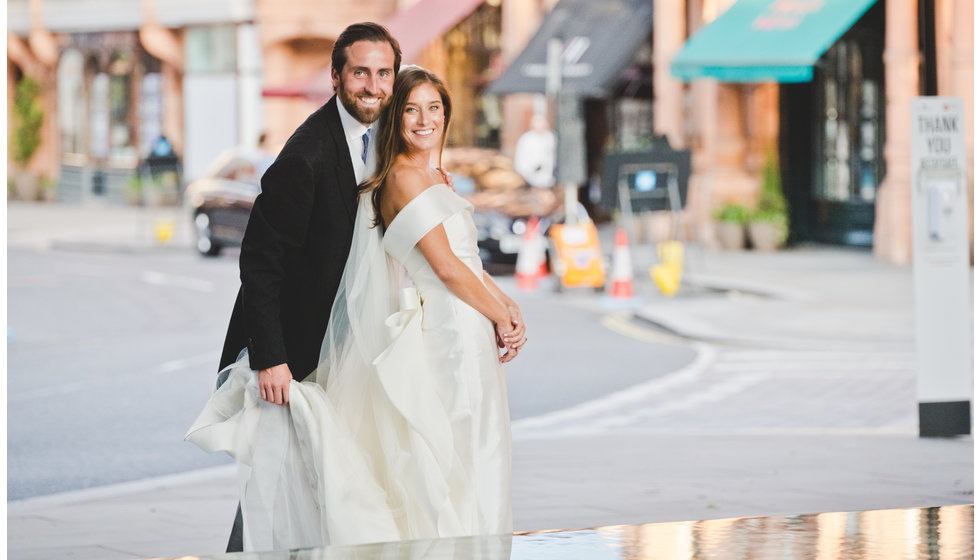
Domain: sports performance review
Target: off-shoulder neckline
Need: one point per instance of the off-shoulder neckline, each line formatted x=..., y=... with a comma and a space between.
x=409, y=203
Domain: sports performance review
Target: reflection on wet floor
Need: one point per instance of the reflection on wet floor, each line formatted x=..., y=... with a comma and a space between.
x=939, y=533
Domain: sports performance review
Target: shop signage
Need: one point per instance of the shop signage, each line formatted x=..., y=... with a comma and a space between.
x=943, y=310
x=782, y=15
x=571, y=64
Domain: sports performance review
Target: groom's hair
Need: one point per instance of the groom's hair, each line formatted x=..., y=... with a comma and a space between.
x=366, y=31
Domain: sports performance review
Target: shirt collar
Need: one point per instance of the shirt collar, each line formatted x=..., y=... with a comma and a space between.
x=353, y=129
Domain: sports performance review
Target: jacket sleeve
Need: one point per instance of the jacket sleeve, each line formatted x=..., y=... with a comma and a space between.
x=279, y=221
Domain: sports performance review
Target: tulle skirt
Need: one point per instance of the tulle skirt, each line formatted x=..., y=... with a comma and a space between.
x=416, y=447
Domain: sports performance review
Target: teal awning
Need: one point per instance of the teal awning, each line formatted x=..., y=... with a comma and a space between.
x=767, y=40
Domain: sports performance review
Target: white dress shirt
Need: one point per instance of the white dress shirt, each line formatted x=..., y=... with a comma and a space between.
x=354, y=131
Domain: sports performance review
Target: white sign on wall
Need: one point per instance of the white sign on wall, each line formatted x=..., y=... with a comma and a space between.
x=943, y=306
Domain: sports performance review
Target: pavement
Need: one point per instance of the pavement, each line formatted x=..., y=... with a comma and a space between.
x=801, y=400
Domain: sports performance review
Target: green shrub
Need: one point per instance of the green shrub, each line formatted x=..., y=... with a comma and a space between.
x=732, y=213
x=28, y=119
x=772, y=203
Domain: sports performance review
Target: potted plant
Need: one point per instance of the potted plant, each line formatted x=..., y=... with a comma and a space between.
x=768, y=221
x=28, y=118
x=158, y=190
x=49, y=189
x=133, y=193
x=731, y=225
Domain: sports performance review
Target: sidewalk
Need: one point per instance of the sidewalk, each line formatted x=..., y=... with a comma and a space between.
x=663, y=467
x=96, y=227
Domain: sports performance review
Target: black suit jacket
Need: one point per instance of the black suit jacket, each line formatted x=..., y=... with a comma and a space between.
x=295, y=248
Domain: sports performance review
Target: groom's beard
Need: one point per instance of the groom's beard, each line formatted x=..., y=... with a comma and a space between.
x=364, y=115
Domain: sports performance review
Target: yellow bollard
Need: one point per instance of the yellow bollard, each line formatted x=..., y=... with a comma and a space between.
x=164, y=230
x=667, y=274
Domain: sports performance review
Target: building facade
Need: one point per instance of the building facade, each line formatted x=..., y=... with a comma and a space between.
x=842, y=136
x=209, y=74
x=116, y=75
x=121, y=77
x=837, y=123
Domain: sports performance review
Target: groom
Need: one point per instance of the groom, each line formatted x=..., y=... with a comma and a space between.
x=301, y=226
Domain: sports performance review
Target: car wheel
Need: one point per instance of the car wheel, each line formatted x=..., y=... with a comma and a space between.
x=205, y=245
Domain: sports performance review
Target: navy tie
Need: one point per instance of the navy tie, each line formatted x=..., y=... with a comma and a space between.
x=366, y=137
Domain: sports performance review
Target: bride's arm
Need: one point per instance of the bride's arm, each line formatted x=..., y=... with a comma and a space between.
x=403, y=186
x=467, y=286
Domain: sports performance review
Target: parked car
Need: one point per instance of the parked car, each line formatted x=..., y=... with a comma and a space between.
x=503, y=201
x=221, y=199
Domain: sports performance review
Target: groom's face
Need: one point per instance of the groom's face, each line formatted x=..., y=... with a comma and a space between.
x=364, y=83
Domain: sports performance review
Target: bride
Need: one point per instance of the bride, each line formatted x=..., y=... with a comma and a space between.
x=405, y=432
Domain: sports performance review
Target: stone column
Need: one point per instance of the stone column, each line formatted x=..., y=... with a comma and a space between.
x=168, y=47
x=521, y=19
x=668, y=103
x=893, y=207
x=44, y=50
x=962, y=85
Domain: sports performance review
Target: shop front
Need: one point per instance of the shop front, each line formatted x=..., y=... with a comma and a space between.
x=606, y=72
x=109, y=103
x=827, y=57
x=458, y=40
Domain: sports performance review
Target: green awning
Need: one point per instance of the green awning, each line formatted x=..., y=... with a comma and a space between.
x=767, y=40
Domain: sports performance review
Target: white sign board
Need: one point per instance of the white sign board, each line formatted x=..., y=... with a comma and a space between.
x=943, y=306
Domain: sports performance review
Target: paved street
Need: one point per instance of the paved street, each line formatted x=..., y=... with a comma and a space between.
x=770, y=384
x=114, y=341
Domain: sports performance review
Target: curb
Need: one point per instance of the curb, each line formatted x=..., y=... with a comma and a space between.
x=671, y=327
x=108, y=247
x=121, y=489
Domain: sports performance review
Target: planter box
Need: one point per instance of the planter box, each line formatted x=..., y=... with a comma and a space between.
x=731, y=235
x=765, y=236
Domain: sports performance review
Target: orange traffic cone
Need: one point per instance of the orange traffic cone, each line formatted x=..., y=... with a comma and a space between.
x=531, y=258
x=622, y=268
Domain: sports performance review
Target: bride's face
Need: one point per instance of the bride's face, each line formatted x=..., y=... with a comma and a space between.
x=423, y=119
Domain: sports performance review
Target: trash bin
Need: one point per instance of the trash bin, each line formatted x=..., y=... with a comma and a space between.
x=161, y=174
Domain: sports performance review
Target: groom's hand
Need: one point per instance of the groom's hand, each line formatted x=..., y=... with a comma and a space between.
x=274, y=384
x=448, y=178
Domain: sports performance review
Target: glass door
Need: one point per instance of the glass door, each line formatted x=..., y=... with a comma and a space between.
x=849, y=136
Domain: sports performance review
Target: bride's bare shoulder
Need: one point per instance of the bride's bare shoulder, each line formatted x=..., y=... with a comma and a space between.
x=405, y=182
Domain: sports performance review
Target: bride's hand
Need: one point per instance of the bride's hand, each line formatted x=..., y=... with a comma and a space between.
x=504, y=330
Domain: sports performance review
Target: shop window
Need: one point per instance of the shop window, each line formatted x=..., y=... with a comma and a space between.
x=210, y=49
x=71, y=101
x=120, y=144
x=151, y=110
x=470, y=49
x=634, y=124
x=843, y=152
x=99, y=115
x=851, y=132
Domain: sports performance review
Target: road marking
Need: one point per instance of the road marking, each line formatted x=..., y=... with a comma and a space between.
x=710, y=394
x=163, y=279
x=623, y=325
x=631, y=396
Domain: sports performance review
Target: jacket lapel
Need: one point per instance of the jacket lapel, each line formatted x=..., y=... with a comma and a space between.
x=345, y=171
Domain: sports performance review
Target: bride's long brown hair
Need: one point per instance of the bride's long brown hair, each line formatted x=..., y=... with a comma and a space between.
x=390, y=142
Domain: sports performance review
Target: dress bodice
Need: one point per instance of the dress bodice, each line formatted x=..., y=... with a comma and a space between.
x=434, y=206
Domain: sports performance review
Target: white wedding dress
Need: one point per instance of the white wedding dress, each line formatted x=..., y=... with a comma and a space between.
x=415, y=444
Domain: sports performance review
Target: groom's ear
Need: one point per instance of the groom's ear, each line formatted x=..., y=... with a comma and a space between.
x=335, y=79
